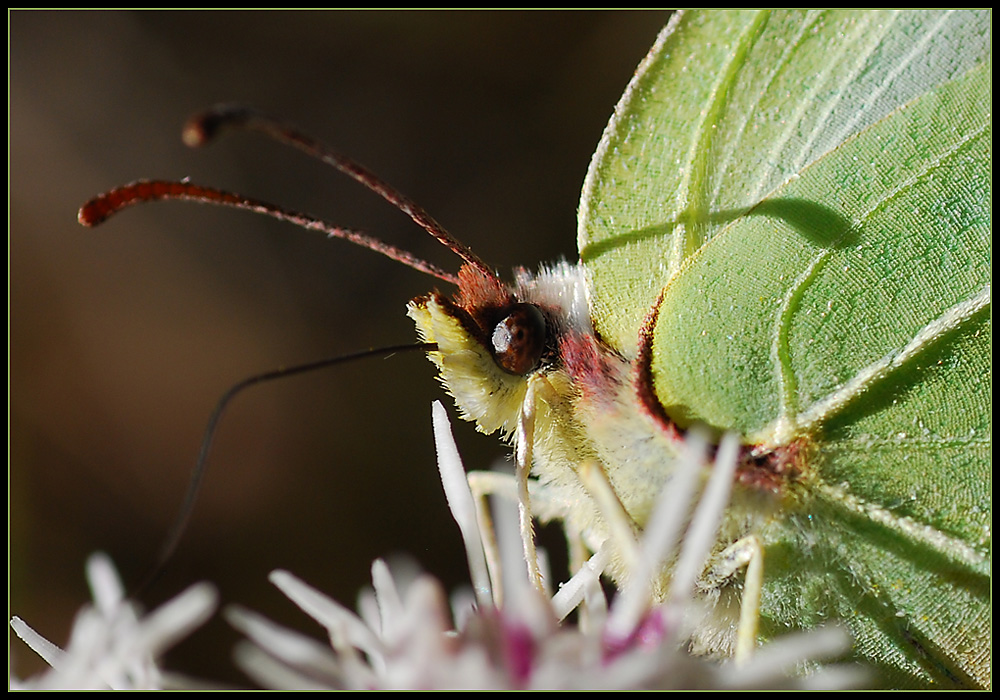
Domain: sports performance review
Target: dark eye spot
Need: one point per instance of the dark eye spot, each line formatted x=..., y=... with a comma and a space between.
x=519, y=339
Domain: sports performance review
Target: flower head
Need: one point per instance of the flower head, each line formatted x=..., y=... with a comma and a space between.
x=408, y=635
x=506, y=633
x=111, y=645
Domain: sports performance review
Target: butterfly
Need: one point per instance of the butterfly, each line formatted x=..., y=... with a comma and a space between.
x=784, y=234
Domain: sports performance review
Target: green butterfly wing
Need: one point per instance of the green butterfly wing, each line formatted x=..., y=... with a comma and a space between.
x=811, y=193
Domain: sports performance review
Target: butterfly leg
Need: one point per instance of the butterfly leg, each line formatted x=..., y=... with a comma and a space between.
x=520, y=488
x=482, y=485
x=523, y=461
x=746, y=552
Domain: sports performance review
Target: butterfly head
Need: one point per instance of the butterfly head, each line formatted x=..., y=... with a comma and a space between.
x=492, y=337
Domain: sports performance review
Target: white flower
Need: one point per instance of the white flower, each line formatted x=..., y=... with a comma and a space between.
x=504, y=634
x=407, y=636
x=110, y=646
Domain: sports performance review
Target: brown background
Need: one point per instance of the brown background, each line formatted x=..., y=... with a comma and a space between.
x=123, y=338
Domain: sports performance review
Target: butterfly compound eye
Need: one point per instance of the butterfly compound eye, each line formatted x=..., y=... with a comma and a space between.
x=519, y=339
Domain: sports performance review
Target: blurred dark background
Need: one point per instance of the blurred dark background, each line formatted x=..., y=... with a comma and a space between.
x=123, y=338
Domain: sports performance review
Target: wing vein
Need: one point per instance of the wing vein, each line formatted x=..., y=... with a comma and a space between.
x=860, y=59
x=833, y=403
x=737, y=143
x=919, y=48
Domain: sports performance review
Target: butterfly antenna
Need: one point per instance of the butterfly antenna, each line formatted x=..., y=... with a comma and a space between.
x=201, y=464
x=203, y=127
x=110, y=203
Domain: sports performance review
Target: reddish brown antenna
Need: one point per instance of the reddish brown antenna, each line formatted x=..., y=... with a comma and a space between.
x=110, y=203
x=203, y=127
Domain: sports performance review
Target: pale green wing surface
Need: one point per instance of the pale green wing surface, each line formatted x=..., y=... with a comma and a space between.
x=811, y=193
x=839, y=269
x=875, y=345
x=727, y=107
